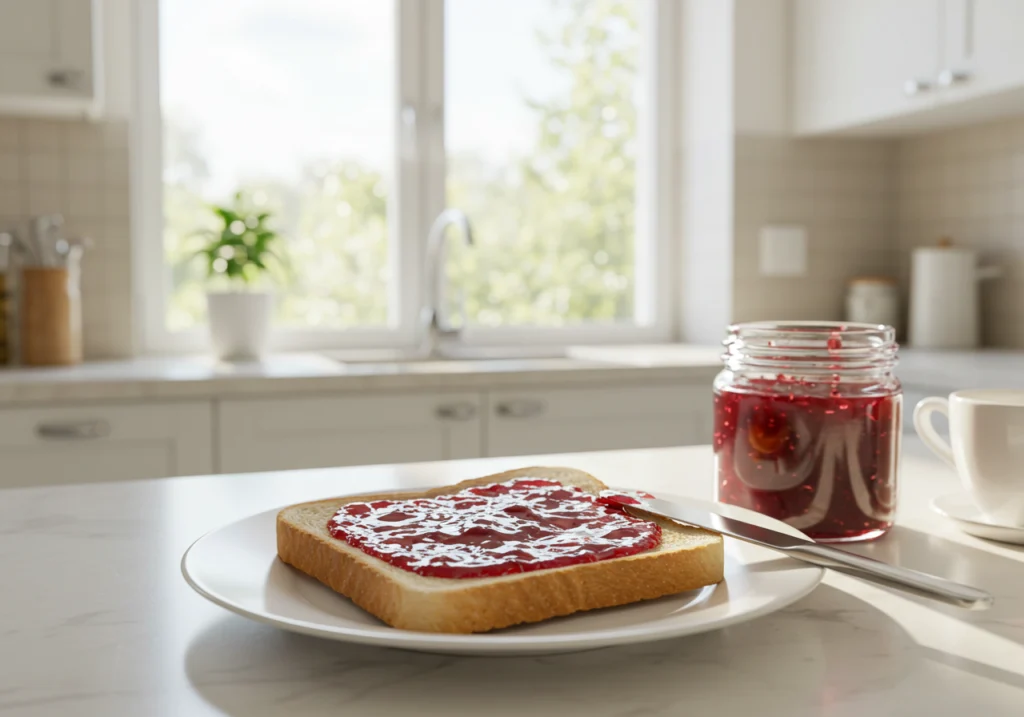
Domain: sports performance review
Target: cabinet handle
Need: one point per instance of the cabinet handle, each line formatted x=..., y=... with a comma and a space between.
x=948, y=78
x=916, y=87
x=73, y=430
x=66, y=79
x=461, y=411
x=520, y=408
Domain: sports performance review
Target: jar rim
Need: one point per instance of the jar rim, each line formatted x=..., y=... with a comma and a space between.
x=811, y=346
x=810, y=329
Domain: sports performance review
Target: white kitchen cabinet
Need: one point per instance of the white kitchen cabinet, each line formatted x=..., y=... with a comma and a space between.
x=597, y=418
x=49, y=57
x=984, y=49
x=89, y=443
x=323, y=431
x=856, y=62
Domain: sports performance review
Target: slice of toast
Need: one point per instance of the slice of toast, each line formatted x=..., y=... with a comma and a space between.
x=686, y=559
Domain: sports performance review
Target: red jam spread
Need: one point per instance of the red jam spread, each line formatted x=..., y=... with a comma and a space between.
x=514, y=527
x=810, y=455
x=618, y=498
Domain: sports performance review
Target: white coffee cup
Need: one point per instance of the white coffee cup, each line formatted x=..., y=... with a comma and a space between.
x=986, y=430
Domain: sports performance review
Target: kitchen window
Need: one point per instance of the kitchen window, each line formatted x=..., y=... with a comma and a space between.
x=549, y=122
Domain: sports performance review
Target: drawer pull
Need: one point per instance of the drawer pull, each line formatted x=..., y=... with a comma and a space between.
x=73, y=430
x=520, y=408
x=914, y=87
x=65, y=79
x=948, y=78
x=461, y=411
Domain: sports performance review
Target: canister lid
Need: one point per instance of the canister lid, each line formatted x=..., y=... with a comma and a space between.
x=858, y=280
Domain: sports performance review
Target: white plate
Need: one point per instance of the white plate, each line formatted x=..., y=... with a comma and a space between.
x=237, y=568
x=959, y=508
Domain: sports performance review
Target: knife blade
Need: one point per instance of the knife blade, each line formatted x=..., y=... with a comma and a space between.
x=913, y=581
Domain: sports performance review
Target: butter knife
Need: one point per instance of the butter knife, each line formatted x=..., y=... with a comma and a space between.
x=912, y=581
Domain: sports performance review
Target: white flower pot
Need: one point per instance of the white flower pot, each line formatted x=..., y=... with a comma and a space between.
x=239, y=323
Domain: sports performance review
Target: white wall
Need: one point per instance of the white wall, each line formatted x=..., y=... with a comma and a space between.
x=706, y=169
x=761, y=82
x=117, y=57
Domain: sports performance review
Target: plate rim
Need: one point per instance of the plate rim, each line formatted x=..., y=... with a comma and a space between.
x=490, y=642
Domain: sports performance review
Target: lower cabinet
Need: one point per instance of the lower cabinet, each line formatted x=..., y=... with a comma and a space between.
x=98, y=442
x=84, y=444
x=319, y=432
x=594, y=419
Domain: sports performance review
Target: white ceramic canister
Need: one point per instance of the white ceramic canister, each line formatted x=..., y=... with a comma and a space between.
x=944, y=311
x=873, y=300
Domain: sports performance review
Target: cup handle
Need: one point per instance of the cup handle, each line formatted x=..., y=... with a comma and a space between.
x=923, y=425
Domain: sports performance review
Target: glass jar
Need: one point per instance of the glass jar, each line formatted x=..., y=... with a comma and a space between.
x=807, y=426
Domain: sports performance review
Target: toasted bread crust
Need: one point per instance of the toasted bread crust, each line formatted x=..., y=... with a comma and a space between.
x=479, y=605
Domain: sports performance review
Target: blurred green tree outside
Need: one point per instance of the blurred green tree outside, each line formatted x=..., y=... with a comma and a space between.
x=555, y=228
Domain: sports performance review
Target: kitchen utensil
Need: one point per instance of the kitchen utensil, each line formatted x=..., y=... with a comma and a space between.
x=960, y=508
x=944, y=297
x=43, y=235
x=873, y=300
x=986, y=449
x=237, y=568
x=5, y=347
x=720, y=519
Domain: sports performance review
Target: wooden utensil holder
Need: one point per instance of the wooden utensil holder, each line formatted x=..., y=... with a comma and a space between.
x=5, y=339
x=50, y=317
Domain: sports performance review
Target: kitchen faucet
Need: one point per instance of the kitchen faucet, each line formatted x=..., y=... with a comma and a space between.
x=435, y=329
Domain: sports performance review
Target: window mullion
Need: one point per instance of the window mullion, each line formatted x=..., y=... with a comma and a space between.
x=420, y=168
x=433, y=168
x=406, y=207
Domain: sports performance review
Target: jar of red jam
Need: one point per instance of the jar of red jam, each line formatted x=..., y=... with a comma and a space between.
x=807, y=426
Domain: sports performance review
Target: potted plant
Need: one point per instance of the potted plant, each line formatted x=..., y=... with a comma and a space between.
x=237, y=256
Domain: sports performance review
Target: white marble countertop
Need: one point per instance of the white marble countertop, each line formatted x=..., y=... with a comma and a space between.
x=198, y=377
x=97, y=620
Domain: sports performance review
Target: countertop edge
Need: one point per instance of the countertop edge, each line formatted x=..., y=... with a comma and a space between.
x=39, y=391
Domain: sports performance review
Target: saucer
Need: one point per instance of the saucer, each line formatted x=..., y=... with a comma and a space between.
x=959, y=508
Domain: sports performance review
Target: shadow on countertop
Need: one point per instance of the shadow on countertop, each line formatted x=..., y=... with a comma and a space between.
x=827, y=649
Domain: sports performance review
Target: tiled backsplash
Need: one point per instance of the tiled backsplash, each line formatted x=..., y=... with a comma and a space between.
x=841, y=191
x=867, y=203
x=79, y=169
x=968, y=184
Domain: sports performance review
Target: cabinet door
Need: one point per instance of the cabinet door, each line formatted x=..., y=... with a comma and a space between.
x=854, y=61
x=47, y=56
x=595, y=419
x=85, y=444
x=984, y=48
x=319, y=432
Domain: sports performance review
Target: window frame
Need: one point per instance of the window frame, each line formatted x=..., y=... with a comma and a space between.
x=418, y=188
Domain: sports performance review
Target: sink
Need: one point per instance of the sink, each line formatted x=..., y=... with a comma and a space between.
x=455, y=354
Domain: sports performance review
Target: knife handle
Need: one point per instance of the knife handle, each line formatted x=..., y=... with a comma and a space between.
x=912, y=581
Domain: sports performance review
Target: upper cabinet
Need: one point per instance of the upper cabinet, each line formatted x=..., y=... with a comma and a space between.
x=859, y=61
x=880, y=65
x=49, y=57
x=984, y=48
